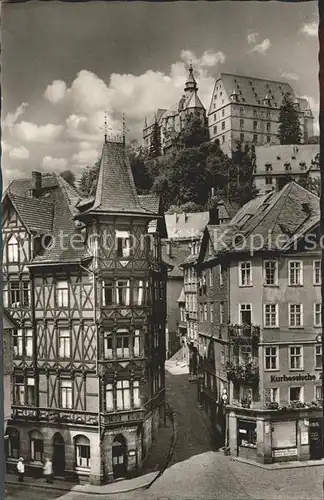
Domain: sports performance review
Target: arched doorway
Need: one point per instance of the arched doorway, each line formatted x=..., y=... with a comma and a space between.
x=119, y=456
x=58, y=454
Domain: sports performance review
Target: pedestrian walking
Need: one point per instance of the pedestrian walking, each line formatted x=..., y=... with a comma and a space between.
x=48, y=470
x=21, y=469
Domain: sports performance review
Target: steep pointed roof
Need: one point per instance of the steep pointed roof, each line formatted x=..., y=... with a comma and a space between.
x=191, y=84
x=116, y=191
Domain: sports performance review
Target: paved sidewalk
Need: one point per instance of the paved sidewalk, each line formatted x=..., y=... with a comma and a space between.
x=118, y=487
x=280, y=465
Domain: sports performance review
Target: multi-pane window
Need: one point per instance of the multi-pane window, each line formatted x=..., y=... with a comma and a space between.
x=274, y=394
x=241, y=123
x=295, y=357
x=268, y=127
x=205, y=312
x=318, y=356
x=122, y=292
x=82, y=452
x=268, y=179
x=317, y=314
x=30, y=390
x=270, y=272
x=107, y=292
x=64, y=342
x=221, y=313
x=318, y=392
x=136, y=394
x=211, y=312
x=123, y=243
x=271, y=315
x=210, y=277
x=122, y=343
x=245, y=314
x=19, y=390
x=13, y=249
x=317, y=272
x=138, y=293
x=14, y=293
x=29, y=346
x=201, y=312
x=223, y=125
x=295, y=276
x=36, y=446
x=18, y=343
x=123, y=399
x=25, y=293
x=296, y=315
x=108, y=345
x=136, y=343
x=62, y=294
x=66, y=393
x=245, y=277
x=255, y=125
x=271, y=357
x=109, y=397
x=295, y=394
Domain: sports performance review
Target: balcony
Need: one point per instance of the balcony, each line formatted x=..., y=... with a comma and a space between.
x=243, y=334
x=243, y=374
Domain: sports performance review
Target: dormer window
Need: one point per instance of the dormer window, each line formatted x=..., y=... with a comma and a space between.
x=302, y=165
x=287, y=167
x=268, y=167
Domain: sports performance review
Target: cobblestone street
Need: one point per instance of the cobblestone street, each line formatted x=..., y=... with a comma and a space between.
x=198, y=472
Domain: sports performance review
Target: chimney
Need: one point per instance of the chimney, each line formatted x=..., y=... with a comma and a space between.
x=169, y=248
x=36, y=183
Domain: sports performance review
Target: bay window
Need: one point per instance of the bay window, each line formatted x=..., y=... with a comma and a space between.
x=18, y=343
x=138, y=293
x=19, y=390
x=122, y=292
x=122, y=343
x=29, y=346
x=123, y=400
x=136, y=343
x=107, y=292
x=123, y=244
x=108, y=345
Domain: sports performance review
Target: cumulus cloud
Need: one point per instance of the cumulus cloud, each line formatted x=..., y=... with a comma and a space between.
x=252, y=38
x=310, y=29
x=5, y=146
x=29, y=132
x=78, y=139
x=289, y=76
x=50, y=163
x=56, y=91
x=262, y=47
x=19, y=153
x=11, y=118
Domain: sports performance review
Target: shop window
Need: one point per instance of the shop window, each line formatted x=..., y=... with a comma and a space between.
x=82, y=452
x=36, y=446
x=247, y=435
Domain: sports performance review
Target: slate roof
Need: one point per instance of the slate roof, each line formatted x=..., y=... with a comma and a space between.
x=186, y=226
x=178, y=254
x=279, y=155
x=254, y=90
x=150, y=202
x=289, y=212
x=9, y=323
x=35, y=214
x=115, y=191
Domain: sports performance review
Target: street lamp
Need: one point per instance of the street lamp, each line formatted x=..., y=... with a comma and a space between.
x=225, y=401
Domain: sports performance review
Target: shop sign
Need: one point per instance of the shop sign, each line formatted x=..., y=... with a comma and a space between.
x=304, y=437
x=294, y=378
x=284, y=453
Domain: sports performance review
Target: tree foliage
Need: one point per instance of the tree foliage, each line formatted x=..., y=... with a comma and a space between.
x=313, y=184
x=194, y=132
x=88, y=181
x=155, y=146
x=68, y=176
x=289, y=125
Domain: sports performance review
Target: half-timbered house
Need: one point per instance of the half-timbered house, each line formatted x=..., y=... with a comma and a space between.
x=85, y=280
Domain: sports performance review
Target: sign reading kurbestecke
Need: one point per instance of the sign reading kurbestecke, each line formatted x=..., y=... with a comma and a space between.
x=293, y=378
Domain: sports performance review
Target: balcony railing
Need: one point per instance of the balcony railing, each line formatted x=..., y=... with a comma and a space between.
x=243, y=334
x=75, y=417
x=243, y=374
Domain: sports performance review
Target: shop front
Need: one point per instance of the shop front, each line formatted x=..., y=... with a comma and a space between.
x=269, y=436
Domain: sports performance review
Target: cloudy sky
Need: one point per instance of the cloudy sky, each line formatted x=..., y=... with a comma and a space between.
x=63, y=65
